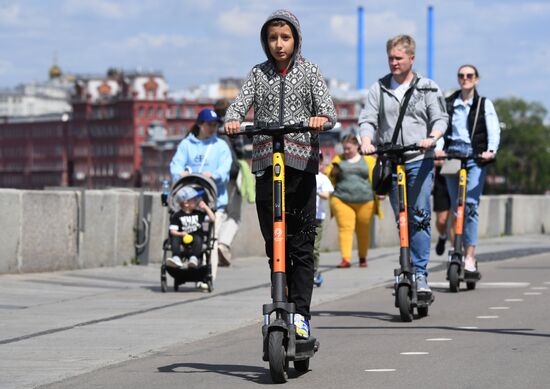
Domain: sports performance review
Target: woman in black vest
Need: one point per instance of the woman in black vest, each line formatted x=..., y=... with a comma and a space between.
x=473, y=130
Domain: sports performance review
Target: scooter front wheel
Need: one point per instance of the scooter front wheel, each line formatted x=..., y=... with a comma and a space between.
x=454, y=277
x=278, y=365
x=404, y=303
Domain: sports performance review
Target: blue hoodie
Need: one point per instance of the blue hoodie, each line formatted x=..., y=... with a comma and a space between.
x=204, y=155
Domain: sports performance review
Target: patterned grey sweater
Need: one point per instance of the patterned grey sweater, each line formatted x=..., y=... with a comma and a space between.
x=290, y=99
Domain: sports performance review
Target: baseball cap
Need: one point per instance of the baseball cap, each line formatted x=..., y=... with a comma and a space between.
x=187, y=193
x=208, y=115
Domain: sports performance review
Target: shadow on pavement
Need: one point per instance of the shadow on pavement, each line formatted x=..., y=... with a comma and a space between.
x=255, y=374
x=384, y=316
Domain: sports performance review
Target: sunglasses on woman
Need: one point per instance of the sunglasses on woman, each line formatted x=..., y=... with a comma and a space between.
x=469, y=76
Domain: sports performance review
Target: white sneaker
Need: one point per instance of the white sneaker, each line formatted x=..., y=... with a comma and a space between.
x=201, y=285
x=193, y=262
x=175, y=261
x=470, y=264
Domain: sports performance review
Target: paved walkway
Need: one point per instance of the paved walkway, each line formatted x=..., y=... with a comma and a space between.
x=62, y=324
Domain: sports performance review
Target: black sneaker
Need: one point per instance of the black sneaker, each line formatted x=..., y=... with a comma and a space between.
x=440, y=246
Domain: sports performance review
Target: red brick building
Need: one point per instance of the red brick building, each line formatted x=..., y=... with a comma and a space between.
x=122, y=132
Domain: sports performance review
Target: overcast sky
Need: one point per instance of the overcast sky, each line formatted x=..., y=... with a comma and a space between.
x=199, y=41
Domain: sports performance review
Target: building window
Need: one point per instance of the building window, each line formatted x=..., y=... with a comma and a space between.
x=150, y=112
x=141, y=111
x=189, y=112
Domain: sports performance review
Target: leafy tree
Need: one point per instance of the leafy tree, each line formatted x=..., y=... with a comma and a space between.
x=523, y=158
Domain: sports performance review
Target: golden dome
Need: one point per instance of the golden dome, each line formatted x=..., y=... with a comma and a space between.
x=55, y=71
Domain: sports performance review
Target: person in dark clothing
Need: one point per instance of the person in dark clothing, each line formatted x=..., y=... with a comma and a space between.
x=287, y=89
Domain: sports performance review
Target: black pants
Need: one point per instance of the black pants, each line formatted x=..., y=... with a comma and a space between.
x=186, y=250
x=300, y=188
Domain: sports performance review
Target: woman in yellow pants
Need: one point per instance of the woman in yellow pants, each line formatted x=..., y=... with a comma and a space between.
x=353, y=201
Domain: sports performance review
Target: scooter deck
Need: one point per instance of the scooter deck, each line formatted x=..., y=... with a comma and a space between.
x=424, y=299
x=472, y=276
x=306, y=348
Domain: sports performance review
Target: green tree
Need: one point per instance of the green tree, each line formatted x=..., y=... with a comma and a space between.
x=523, y=158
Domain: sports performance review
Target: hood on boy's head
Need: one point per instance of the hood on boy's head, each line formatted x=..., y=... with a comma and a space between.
x=287, y=16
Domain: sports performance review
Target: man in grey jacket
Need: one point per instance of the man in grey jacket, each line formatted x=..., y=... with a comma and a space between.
x=425, y=121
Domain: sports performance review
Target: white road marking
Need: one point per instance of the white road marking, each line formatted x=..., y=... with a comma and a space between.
x=438, y=339
x=415, y=353
x=532, y=293
x=468, y=328
x=547, y=282
x=379, y=370
x=539, y=288
x=487, y=284
x=504, y=284
x=487, y=317
x=513, y=300
x=439, y=284
x=324, y=314
x=499, y=308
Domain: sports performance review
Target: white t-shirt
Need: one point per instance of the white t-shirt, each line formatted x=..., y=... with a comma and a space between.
x=399, y=89
x=323, y=185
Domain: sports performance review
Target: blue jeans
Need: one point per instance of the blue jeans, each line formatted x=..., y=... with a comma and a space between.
x=474, y=188
x=420, y=176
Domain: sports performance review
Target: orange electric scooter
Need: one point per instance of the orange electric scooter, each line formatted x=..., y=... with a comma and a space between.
x=280, y=345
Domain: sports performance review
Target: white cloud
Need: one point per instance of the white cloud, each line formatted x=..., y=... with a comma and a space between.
x=157, y=41
x=102, y=8
x=5, y=66
x=9, y=14
x=241, y=23
x=377, y=26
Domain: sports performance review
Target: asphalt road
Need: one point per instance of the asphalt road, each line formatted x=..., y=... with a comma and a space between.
x=497, y=336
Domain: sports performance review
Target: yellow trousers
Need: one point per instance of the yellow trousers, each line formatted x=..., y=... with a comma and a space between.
x=352, y=217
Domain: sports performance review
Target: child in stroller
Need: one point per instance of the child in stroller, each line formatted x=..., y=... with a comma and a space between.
x=188, y=248
x=186, y=227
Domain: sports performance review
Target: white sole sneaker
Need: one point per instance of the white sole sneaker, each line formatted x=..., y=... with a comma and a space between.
x=176, y=263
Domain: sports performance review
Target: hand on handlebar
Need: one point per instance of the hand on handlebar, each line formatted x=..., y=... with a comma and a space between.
x=487, y=156
x=232, y=127
x=316, y=122
x=366, y=146
x=427, y=143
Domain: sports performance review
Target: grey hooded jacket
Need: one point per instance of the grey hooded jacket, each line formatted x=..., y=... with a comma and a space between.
x=425, y=111
x=290, y=99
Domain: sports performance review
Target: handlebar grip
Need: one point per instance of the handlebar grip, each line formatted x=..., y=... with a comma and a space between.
x=328, y=126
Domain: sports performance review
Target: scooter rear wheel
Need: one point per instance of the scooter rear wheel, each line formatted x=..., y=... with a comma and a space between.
x=422, y=311
x=278, y=365
x=404, y=302
x=454, y=277
x=302, y=366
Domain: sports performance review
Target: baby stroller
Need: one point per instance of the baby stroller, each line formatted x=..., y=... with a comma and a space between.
x=202, y=273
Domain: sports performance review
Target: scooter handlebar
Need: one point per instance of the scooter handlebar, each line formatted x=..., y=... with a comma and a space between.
x=272, y=129
x=393, y=149
x=461, y=157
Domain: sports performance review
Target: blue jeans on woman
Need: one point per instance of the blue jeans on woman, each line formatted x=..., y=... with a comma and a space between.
x=474, y=188
x=420, y=176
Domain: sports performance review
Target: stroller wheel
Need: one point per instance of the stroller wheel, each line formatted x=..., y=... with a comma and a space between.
x=163, y=286
x=176, y=286
x=210, y=286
